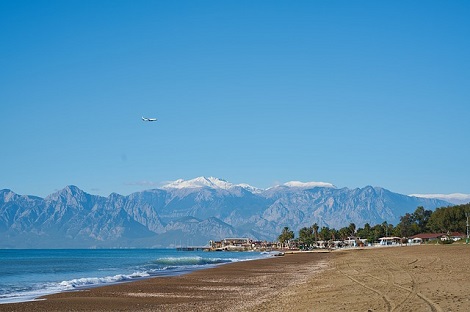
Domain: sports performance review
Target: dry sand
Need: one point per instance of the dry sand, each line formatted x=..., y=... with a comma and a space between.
x=418, y=278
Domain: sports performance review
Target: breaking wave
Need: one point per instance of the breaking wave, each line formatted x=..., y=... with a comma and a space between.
x=96, y=281
x=190, y=261
x=101, y=267
x=30, y=294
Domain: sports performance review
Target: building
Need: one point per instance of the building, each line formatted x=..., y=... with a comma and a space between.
x=426, y=238
x=390, y=241
x=456, y=236
x=232, y=244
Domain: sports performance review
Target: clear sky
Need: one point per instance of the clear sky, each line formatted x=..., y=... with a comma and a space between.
x=353, y=93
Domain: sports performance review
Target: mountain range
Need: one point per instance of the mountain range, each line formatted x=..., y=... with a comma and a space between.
x=192, y=212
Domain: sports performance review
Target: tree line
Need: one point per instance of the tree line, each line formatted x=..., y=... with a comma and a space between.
x=442, y=220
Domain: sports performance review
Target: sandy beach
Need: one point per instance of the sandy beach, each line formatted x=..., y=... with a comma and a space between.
x=418, y=278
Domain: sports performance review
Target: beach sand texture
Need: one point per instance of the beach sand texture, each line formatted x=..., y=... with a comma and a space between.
x=418, y=278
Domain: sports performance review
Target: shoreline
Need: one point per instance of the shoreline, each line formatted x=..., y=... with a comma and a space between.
x=97, y=271
x=203, y=289
x=408, y=278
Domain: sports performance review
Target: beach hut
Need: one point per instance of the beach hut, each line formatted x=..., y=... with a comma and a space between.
x=389, y=241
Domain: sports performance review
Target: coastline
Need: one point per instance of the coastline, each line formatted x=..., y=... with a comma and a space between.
x=29, y=274
x=411, y=278
x=235, y=285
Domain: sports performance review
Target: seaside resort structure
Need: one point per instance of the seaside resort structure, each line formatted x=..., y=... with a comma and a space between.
x=247, y=244
x=242, y=244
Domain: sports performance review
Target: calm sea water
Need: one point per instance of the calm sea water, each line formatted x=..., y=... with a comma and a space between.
x=28, y=274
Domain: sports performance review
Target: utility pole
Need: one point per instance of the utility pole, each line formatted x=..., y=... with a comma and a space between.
x=467, y=215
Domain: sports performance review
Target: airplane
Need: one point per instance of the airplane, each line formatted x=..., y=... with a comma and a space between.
x=148, y=119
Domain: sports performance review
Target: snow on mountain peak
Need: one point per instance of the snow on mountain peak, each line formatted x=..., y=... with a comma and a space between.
x=200, y=182
x=455, y=198
x=210, y=182
x=216, y=183
x=306, y=185
x=250, y=188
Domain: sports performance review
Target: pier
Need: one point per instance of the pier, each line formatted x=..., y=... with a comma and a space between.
x=193, y=248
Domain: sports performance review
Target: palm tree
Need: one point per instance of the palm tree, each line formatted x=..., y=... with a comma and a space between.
x=352, y=229
x=286, y=236
x=385, y=225
x=306, y=236
x=315, y=228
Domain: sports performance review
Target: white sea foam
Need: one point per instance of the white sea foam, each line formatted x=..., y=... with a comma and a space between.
x=52, y=288
x=53, y=271
x=96, y=281
x=191, y=261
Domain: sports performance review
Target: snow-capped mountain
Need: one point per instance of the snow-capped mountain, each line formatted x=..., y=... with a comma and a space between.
x=193, y=211
x=455, y=198
x=199, y=183
x=308, y=185
x=209, y=182
x=217, y=183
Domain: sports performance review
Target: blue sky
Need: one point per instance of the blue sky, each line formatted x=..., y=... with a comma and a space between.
x=353, y=93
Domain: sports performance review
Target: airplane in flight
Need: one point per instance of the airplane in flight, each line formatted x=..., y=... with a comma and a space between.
x=148, y=119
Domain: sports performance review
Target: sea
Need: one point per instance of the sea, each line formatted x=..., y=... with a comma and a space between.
x=25, y=275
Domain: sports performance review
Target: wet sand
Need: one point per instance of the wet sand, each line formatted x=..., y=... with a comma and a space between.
x=418, y=278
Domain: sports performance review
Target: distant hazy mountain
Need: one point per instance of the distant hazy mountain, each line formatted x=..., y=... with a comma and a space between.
x=191, y=213
x=456, y=198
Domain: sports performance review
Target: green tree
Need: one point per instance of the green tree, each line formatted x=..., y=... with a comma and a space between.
x=315, y=228
x=367, y=232
x=378, y=231
x=344, y=233
x=306, y=236
x=450, y=219
x=352, y=229
x=386, y=228
x=421, y=218
x=325, y=233
x=389, y=229
x=286, y=236
x=405, y=227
